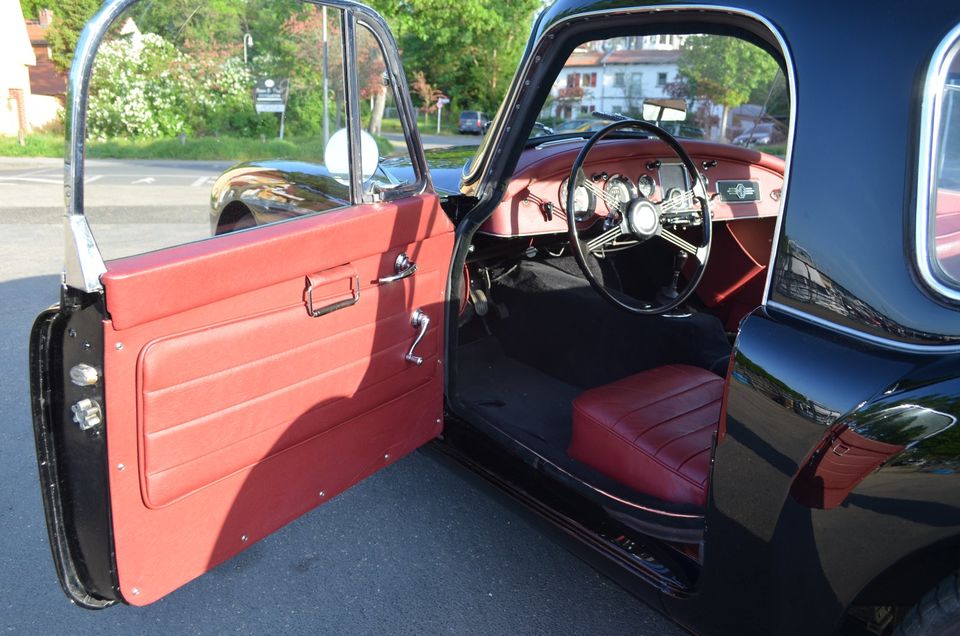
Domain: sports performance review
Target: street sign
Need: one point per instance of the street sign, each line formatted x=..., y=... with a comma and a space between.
x=270, y=96
x=442, y=101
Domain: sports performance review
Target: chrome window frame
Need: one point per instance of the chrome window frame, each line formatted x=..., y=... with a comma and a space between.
x=83, y=260
x=931, y=106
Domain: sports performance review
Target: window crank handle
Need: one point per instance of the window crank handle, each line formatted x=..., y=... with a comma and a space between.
x=419, y=321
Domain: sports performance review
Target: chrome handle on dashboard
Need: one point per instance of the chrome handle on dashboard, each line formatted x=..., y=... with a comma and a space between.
x=403, y=267
x=419, y=321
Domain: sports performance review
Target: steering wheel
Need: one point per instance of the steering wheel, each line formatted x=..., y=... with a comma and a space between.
x=639, y=220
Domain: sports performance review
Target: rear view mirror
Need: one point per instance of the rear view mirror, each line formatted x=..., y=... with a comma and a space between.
x=664, y=110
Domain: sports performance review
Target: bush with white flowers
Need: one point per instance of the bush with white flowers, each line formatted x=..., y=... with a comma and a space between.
x=144, y=87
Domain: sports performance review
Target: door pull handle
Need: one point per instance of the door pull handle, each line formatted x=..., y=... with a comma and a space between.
x=419, y=321
x=403, y=267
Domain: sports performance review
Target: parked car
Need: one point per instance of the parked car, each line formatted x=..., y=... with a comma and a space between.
x=472, y=122
x=760, y=135
x=581, y=125
x=736, y=396
x=539, y=129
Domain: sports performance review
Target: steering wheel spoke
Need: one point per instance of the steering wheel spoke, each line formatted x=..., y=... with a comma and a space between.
x=606, y=238
x=685, y=245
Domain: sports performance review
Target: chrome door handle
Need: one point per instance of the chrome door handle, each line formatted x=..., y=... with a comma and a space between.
x=419, y=321
x=403, y=267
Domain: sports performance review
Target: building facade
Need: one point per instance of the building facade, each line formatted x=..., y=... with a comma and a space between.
x=615, y=76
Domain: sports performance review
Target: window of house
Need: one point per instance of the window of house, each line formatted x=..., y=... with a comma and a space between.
x=661, y=79
x=573, y=80
x=938, y=231
x=618, y=79
x=590, y=80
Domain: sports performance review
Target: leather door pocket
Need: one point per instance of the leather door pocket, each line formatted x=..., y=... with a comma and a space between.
x=332, y=289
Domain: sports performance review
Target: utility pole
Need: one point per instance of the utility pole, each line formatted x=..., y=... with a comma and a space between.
x=326, y=87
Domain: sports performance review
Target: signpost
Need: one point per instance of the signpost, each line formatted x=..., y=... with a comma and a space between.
x=441, y=102
x=270, y=96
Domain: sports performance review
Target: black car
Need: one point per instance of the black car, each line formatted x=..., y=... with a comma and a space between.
x=472, y=122
x=730, y=380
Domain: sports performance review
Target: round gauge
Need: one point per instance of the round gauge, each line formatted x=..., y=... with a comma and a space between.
x=584, y=201
x=646, y=186
x=619, y=191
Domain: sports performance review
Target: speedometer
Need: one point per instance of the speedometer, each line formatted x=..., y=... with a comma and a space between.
x=619, y=191
x=584, y=201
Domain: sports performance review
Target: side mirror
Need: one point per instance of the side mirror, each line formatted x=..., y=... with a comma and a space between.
x=336, y=156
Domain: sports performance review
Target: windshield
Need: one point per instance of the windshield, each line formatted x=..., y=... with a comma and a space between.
x=695, y=86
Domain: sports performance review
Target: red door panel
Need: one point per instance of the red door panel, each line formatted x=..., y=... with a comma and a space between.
x=231, y=410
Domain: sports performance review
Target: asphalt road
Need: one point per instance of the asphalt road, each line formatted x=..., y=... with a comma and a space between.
x=419, y=548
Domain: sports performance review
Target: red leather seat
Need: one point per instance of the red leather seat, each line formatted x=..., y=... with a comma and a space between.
x=651, y=431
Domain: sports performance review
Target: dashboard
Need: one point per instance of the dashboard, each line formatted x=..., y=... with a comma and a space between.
x=741, y=183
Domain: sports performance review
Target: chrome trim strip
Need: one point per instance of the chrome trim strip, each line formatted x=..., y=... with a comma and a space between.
x=879, y=341
x=930, y=111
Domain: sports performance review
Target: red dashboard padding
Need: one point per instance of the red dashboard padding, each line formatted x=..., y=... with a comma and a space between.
x=540, y=171
x=652, y=431
x=231, y=410
x=735, y=276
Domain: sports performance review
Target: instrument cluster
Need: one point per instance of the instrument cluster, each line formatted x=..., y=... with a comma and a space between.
x=615, y=191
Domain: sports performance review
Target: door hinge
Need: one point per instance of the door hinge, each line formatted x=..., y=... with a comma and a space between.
x=87, y=414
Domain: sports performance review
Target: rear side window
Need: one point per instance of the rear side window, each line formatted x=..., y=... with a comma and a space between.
x=938, y=231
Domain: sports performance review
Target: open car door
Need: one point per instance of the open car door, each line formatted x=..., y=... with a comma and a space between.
x=190, y=401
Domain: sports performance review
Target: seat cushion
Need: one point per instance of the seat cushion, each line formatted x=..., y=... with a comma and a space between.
x=651, y=431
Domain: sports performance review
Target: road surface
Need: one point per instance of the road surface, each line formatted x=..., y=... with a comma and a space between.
x=418, y=548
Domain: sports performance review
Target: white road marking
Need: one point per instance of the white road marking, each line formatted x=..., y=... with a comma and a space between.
x=202, y=181
x=144, y=180
x=33, y=180
x=95, y=178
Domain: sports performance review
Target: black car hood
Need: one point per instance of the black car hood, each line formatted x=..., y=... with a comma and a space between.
x=446, y=167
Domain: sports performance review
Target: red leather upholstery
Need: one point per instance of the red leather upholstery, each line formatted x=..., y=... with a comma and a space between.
x=231, y=410
x=652, y=431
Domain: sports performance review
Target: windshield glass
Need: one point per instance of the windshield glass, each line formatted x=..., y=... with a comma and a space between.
x=713, y=87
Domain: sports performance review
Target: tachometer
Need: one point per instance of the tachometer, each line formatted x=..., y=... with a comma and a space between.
x=619, y=191
x=646, y=186
x=584, y=201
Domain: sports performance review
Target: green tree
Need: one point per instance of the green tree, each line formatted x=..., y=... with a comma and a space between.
x=469, y=49
x=31, y=8
x=68, y=21
x=724, y=70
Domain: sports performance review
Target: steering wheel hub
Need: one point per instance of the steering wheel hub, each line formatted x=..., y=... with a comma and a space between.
x=643, y=219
